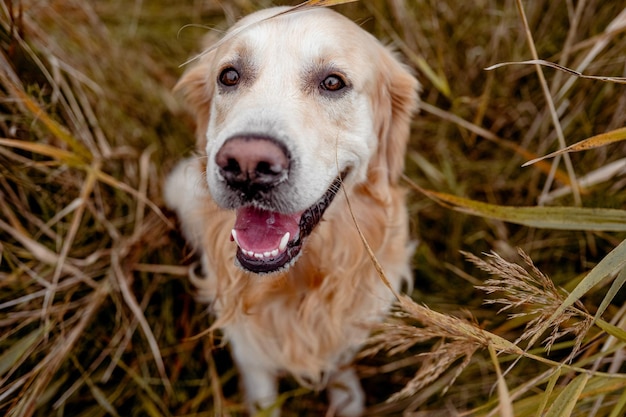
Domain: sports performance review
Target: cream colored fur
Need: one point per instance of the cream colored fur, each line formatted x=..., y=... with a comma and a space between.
x=310, y=320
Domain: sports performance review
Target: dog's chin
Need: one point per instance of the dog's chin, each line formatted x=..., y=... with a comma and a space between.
x=271, y=242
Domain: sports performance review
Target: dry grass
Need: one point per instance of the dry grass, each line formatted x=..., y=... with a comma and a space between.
x=96, y=314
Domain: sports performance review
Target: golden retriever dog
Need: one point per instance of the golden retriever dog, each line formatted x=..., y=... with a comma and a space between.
x=302, y=123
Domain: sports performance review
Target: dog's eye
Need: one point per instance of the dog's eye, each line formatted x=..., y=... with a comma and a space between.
x=229, y=77
x=332, y=83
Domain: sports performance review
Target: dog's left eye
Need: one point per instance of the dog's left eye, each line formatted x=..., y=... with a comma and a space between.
x=332, y=83
x=229, y=77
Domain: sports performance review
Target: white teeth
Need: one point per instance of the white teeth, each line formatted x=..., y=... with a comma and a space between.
x=283, y=242
x=233, y=233
x=265, y=255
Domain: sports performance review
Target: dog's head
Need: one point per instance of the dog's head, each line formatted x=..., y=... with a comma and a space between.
x=288, y=108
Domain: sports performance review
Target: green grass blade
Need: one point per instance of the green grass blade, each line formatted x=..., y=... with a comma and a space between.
x=101, y=398
x=611, y=263
x=504, y=397
x=618, y=410
x=597, y=141
x=548, y=391
x=561, y=218
x=564, y=404
x=612, y=330
x=63, y=156
x=55, y=128
x=615, y=287
x=13, y=354
x=438, y=80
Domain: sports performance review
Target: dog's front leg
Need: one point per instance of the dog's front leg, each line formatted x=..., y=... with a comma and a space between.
x=345, y=394
x=257, y=374
x=260, y=388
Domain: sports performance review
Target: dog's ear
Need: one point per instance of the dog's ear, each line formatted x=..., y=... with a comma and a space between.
x=197, y=86
x=394, y=102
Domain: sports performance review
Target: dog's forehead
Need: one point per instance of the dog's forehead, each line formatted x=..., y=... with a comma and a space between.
x=304, y=37
x=318, y=19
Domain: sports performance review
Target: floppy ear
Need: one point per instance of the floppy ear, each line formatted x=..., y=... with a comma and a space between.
x=394, y=102
x=196, y=86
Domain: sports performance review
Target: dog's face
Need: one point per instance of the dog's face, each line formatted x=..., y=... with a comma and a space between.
x=289, y=108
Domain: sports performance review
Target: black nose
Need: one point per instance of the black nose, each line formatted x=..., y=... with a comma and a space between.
x=248, y=162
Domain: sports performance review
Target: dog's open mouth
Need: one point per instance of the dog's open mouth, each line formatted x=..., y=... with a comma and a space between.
x=270, y=241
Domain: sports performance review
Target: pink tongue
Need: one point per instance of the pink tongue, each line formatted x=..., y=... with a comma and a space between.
x=260, y=230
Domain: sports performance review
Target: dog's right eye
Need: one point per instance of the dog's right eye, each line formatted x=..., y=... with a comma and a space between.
x=229, y=77
x=332, y=83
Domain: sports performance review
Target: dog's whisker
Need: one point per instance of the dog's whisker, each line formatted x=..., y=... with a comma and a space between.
x=197, y=26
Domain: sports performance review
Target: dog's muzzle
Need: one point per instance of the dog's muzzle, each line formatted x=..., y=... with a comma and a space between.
x=268, y=240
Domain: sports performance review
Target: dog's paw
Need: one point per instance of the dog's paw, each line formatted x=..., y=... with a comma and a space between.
x=346, y=395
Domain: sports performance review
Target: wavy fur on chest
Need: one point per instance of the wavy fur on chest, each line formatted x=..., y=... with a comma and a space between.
x=313, y=317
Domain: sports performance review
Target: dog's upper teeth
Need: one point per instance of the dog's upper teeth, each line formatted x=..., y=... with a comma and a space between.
x=283, y=242
x=233, y=234
x=267, y=254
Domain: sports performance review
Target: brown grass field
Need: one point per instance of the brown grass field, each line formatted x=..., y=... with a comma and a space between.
x=518, y=309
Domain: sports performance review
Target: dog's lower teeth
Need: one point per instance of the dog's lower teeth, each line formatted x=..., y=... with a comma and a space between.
x=258, y=255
